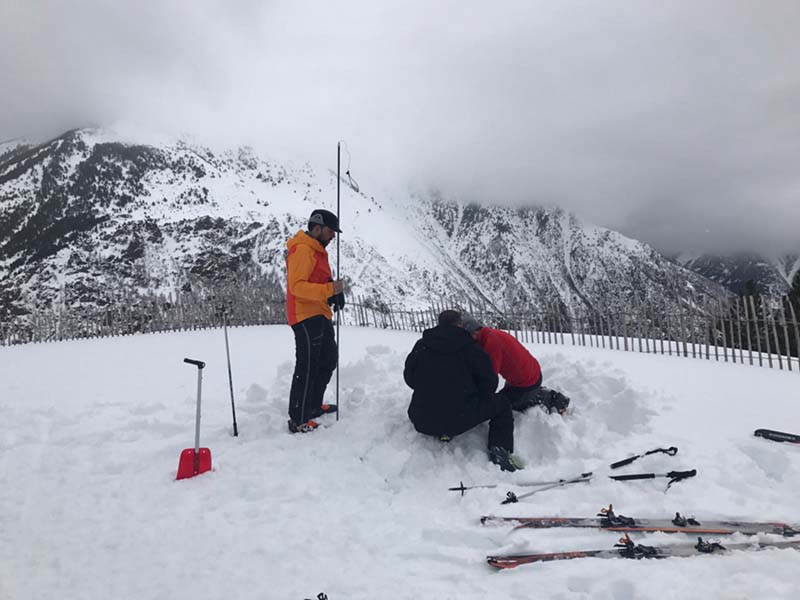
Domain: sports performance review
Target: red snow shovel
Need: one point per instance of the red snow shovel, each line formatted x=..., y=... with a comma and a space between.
x=195, y=460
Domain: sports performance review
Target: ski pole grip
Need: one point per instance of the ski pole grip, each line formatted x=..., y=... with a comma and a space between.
x=678, y=475
x=776, y=436
x=197, y=363
x=623, y=462
x=633, y=476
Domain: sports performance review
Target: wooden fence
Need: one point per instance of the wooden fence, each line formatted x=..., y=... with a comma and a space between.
x=752, y=330
x=748, y=330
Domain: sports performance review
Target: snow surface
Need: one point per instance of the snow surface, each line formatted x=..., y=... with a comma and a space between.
x=91, y=431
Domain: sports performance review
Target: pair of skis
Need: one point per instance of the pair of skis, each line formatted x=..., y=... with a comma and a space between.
x=608, y=520
x=626, y=548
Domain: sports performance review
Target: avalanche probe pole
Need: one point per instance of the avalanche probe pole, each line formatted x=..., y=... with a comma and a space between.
x=338, y=267
x=230, y=376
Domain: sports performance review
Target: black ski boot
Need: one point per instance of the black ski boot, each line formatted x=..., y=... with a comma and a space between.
x=505, y=460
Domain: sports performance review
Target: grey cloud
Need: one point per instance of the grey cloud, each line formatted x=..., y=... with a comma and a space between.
x=676, y=123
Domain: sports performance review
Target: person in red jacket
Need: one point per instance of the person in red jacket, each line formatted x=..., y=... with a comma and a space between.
x=517, y=366
x=310, y=290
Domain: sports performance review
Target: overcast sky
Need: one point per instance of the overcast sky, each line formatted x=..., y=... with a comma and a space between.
x=677, y=123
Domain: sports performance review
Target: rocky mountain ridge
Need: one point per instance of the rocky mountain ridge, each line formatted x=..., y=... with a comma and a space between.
x=747, y=273
x=93, y=219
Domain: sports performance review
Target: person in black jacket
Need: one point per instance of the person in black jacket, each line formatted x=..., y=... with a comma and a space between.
x=454, y=384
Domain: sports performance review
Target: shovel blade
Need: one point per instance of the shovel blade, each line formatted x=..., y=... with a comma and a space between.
x=191, y=463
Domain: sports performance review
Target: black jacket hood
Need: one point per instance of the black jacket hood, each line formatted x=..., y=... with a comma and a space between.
x=446, y=339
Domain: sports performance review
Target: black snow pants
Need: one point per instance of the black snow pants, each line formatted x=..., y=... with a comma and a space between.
x=522, y=398
x=316, y=355
x=495, y=409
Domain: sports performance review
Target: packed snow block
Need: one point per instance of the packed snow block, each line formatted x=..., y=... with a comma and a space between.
x=191, y=463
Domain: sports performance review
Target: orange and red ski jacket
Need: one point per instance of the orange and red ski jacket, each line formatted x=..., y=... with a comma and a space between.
x=308, y=279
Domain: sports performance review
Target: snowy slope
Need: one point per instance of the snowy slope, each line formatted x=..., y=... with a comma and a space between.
x=91, y=431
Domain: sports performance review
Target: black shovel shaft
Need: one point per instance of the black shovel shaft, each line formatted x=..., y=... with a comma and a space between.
x=197, y=363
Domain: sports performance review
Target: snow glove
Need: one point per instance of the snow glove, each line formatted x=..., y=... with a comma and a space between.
x=336, y=301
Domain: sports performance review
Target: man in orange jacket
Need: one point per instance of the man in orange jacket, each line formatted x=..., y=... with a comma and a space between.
x=310, y=292
x=517, y=366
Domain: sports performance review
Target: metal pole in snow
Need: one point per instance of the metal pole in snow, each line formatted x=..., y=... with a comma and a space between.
x=338, y=266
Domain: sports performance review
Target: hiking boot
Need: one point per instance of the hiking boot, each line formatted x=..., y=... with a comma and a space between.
x=325, y=409
x=505, y=460
x=306, y=427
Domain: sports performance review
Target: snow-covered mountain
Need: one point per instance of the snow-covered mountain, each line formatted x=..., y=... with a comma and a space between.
x=92, y=217
x=746, y=272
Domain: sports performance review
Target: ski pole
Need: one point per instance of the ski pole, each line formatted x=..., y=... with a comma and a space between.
x=338, y=268
x=230, y=376
x=511, y=497
x=673, y=476
x=463, y=488
x=671, y=451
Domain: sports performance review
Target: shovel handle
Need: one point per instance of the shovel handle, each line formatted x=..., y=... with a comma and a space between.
x=197, y=363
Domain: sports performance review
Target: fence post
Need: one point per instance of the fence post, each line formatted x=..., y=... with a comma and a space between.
x=683, y=331
x=669, y=330
x=775, y=337
x=756, y=331
x=796, y=334
x=692, y=332
x=604, y=320
x=747, y=330
x=707, y=326
x=733, y=341
x=766, y=330
x=786, y=337
x=722, y=329
x=739, y=331
x=570, y=314
x=601, y=339
x=639, y=323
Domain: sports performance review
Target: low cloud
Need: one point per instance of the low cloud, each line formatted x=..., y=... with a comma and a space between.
x=675, y=124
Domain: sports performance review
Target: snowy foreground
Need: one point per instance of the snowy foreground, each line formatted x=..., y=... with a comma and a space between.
x=91, y=431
